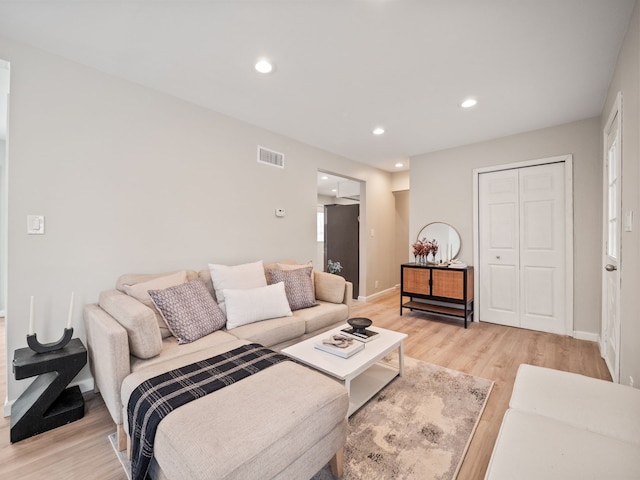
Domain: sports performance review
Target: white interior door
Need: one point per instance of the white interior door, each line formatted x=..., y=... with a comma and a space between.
x=610, y=333
x=522, y=247
x=499, y=247
x=542, y=234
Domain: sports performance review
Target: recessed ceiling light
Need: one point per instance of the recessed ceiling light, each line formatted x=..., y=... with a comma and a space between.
x=468, y=103
x=334, y=190
x=378, y=131
x=399, y=165
x=264, y=66
x=324, y=177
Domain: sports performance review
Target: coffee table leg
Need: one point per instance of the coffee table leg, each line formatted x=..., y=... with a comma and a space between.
x=401, y=358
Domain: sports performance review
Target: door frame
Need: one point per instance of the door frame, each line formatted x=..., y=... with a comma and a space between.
x=568, y=214
x=615, y=114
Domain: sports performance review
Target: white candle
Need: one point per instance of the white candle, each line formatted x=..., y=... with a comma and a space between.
x=31, y=330
x=70, y=311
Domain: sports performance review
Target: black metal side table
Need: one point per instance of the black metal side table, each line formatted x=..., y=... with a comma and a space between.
x=46, y=404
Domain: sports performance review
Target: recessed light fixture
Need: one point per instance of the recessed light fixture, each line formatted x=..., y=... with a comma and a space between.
x=264, y=66
x=399, y=165
x=468, y=103
x=324, y=177
x=334, y=190
x=378, y=131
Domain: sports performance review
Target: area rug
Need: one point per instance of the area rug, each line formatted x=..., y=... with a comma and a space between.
x=418, y=427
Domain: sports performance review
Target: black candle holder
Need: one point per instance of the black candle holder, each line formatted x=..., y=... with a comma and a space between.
x=36, y=346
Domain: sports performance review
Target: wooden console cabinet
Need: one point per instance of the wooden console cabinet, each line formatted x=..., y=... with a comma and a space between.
x=438, y=290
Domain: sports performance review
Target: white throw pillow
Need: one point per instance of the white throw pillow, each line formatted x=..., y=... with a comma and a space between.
x=248, y=275
x=251, y=305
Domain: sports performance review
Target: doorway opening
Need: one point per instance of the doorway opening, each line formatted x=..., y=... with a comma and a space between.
x=338, y=227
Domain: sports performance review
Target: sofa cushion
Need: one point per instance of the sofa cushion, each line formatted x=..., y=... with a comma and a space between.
x=255, y=304
x=271, y=332
x=239, y=441
x=173, y=351
x=297, y=285
x=189, y=310
x=534, y=447
x=248, y=275
x=207, y=347
x=322, y=316
x=329, y=287
x=596, y=405
x=145, y=340
x=140, y=290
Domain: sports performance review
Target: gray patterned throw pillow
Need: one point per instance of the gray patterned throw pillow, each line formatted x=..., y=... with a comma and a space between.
x=297, y=285
x=189, y=310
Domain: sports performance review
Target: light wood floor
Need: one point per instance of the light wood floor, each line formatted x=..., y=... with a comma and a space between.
x=81, y=450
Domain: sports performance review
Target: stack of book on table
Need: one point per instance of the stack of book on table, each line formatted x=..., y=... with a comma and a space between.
x=367, y=336
x=341, y=351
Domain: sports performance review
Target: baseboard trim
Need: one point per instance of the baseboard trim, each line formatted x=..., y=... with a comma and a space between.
x=377, y=294
x=86, y=386
x=590, y=336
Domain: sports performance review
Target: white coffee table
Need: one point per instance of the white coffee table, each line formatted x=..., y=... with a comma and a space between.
x=363, y=374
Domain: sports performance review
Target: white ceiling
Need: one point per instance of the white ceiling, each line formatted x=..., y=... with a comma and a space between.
x=344, y=67
x=330, y=185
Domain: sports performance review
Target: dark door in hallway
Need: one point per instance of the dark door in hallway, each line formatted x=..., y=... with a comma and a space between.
x=342, y=239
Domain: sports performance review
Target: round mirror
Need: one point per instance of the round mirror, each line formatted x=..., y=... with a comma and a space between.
x=447, y=237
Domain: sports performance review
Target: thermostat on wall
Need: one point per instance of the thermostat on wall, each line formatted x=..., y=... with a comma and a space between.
x=35, y=224
x=280, y=212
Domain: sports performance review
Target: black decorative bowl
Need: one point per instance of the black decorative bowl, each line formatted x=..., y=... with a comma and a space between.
x=359, y=324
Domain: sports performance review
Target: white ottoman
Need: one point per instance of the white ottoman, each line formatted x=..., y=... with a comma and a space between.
x=532, y=447
x=566, y=426
x=596, y=405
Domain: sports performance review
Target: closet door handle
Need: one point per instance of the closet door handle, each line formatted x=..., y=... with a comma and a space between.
x=497, y=257
x=610, y=268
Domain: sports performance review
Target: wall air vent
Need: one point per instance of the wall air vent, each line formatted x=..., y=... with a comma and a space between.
x=270, y=157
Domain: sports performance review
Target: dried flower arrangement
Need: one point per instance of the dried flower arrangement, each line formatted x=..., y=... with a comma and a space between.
x=422, y=249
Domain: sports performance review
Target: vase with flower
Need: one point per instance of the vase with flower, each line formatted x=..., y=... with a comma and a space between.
x=423, y=248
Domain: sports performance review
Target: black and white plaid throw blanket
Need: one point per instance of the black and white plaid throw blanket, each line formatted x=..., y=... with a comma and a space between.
x=155, y=398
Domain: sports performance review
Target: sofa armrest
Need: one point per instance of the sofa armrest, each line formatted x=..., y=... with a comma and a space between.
x=348, y=295
x=145, y=339
x=108, y=348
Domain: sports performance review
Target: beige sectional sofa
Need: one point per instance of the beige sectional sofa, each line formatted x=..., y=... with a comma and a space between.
x=287, y=421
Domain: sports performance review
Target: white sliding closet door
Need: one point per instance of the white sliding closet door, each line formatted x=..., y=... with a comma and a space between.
x=499, y=247
x=522, y=247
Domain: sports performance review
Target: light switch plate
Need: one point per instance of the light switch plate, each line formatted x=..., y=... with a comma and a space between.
x=628, y=221
x=35, y=224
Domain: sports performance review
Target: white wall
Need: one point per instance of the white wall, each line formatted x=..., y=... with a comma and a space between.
x=626, y=79
x=442, y=183
x=132, y=180
x=400, y=180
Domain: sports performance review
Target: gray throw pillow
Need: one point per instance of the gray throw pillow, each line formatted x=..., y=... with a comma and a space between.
x=297, y=285
x=189, y=310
